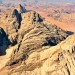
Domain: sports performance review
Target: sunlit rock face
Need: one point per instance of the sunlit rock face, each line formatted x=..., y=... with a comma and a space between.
x=57, y=60
x=34, y=47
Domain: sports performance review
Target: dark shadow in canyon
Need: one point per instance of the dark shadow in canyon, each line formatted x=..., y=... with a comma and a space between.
x=4, y=42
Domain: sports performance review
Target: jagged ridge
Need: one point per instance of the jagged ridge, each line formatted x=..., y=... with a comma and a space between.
x=28, y=36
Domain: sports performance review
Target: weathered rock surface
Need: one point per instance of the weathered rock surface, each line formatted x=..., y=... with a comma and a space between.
x=33, y=44
x=57, y=60
x=35, y=38
x=21, y=9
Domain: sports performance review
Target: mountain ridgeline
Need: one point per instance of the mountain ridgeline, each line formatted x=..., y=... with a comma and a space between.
x=31, y=46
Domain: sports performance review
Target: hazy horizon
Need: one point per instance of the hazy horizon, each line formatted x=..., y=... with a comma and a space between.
x=19, y=1
x=62, y=1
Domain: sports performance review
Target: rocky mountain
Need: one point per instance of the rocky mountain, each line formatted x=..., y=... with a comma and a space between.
x=20, y=8
x=57, y=60
x=60, y=14
x=34, y=47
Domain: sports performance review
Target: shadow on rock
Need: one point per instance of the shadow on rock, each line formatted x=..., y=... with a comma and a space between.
x=69, y=32
x=4, y=42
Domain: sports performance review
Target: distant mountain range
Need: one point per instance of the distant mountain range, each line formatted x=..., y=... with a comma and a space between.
x=33, y=1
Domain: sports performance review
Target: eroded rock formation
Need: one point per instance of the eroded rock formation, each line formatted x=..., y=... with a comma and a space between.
x=35, y=47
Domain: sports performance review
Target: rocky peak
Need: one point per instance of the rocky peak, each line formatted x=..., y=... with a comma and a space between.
x=32, y=45
x=31, y=18
x=21, y=9
x=14, y=19
x=15, y=12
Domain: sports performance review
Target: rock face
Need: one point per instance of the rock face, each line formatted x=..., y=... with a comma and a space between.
x=57, y=60
x=21, y=9
x=34, y=46
x=36, y=38
x=11, y=24
x=31, y=18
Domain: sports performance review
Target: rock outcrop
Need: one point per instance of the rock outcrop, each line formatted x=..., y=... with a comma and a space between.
x=34, y=46
x=20, y=8
x=36, y=38
x=57, y=60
